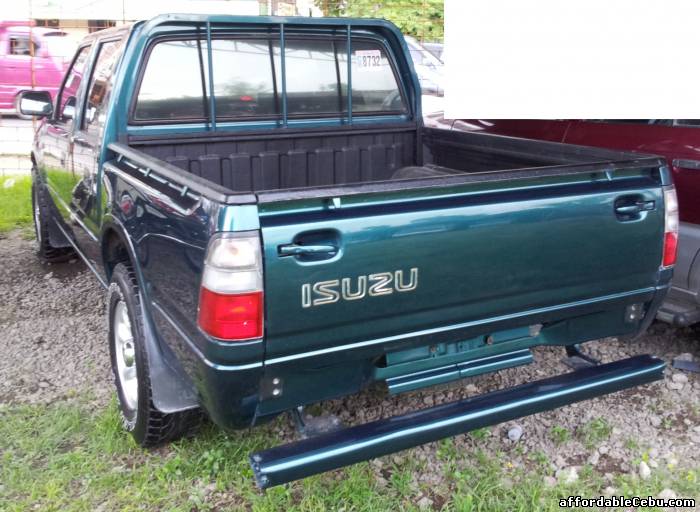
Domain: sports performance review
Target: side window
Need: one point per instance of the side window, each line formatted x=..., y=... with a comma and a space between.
x=695, y=123
x=623, y=121
x=67, y=99
x=20, y=45
x=173, y=83
x=101, y=86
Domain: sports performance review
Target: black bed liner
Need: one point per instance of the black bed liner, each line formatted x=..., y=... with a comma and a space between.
x=302, y=164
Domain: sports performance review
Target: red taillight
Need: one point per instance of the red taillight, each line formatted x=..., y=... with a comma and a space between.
x=670, y=227
x=231, y=317
x=231, y=296
x=670, y=249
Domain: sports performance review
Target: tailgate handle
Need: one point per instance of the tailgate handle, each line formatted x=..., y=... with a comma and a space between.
x=297, y=250
x=635, y=209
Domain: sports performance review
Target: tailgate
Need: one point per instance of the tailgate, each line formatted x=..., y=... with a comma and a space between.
x=378, y=268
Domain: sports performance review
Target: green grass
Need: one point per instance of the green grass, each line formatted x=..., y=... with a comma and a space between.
x=594, y=432
x=15, y=202
x=66, y=457
x=559, y=434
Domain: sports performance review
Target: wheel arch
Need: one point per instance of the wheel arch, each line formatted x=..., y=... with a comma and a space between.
x=116, y=249
x=172, y=390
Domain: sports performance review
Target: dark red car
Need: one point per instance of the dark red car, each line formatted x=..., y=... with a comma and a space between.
x=678, y=140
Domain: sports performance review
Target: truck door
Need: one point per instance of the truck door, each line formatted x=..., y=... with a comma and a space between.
x=57, y=166
x=85, y=201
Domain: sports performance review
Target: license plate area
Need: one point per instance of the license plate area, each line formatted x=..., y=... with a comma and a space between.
x=418, y=367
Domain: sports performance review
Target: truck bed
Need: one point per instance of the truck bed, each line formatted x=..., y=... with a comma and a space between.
x=518, y=241
x=302, y=160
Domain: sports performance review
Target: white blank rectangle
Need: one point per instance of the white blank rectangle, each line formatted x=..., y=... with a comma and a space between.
x=594, y=59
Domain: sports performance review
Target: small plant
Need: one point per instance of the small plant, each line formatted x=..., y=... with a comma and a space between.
x=540, y=458
x=595, y=431
x=559, y=434
x=401, y=482
x=212, y=460
x=447, y=449
x=481, y=433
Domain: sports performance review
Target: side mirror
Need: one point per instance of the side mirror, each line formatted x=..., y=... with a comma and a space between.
x=35, y=103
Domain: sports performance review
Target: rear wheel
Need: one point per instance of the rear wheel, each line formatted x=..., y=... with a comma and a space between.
x=41, y=214
x=147, y=425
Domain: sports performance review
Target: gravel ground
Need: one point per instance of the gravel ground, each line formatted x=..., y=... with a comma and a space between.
x=52, y=328
x=53, y=343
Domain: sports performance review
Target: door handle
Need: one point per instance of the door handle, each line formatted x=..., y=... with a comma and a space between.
x=297, y=250
x=686, y=164
x=634, y=209
x=630, y=209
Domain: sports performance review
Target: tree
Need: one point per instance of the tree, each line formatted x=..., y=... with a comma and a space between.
x=423, y=19
x=331, y=7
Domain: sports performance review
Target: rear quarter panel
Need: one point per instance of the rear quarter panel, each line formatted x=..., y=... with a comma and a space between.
x=170, y=234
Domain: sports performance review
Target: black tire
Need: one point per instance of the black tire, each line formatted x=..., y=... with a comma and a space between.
x=147, y=425
x=42, y=214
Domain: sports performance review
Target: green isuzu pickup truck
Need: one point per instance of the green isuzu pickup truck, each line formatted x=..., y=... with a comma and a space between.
x=276, y=227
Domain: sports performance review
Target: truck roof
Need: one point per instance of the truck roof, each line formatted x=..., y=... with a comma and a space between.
x=148, y=26
x=105, y=32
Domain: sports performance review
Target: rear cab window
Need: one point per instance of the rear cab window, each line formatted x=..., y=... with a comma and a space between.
x=248, y=84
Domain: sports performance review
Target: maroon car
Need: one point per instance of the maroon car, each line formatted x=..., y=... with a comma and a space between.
x=678, y=140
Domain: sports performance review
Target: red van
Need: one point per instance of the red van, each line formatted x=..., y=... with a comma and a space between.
x=31, y=58
x=678, y=140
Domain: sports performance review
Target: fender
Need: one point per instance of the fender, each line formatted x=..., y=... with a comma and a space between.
x=172, y=390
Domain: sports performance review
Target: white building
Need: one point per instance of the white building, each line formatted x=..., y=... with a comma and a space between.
x=82, y=16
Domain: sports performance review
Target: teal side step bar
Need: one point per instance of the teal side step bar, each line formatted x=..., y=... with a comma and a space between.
x=307, y=457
